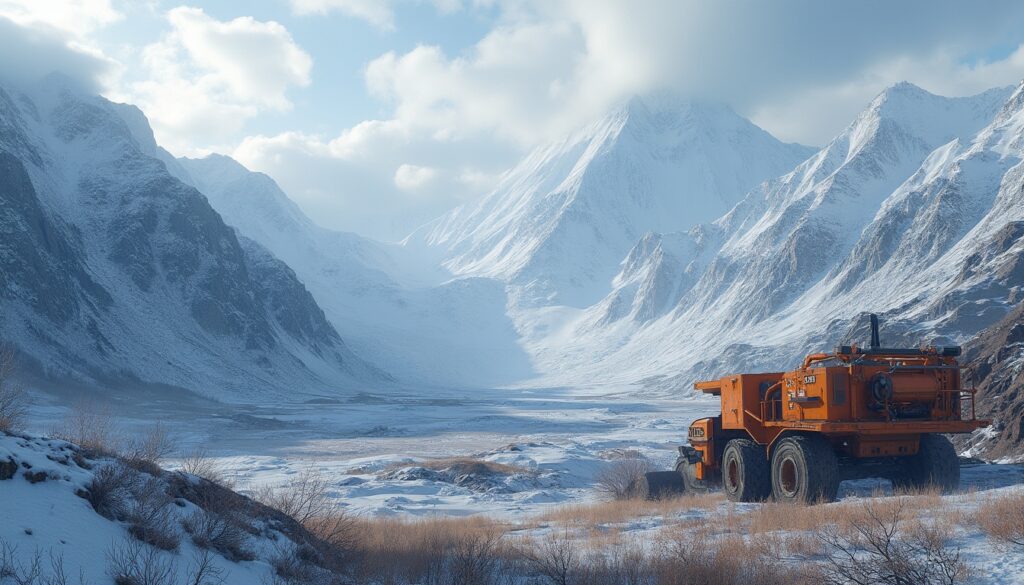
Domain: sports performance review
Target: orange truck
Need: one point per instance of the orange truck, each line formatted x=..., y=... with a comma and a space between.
x=849, y=414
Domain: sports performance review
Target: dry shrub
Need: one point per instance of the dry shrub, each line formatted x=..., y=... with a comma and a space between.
x=30, y=569
x=151, y=519
x=221, y=533
x=1002, y=518
x=620, y=479
x=221, y=522
x=110, y=490
x=200, y=464
x=133, y=563
x=145, y=452
x=203, y=570
x=14, y=399
x=557, y=558
x=304, y=498
x=92, y=429
x=307, y=499
x=626, y=564
x=879, y=544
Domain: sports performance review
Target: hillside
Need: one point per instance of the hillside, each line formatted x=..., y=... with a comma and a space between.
x=114, y=273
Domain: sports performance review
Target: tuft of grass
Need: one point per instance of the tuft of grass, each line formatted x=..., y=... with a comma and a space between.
x=1002, y=518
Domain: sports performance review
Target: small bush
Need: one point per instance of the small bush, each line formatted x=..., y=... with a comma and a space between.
x=133, y=563
x=151, y=518
x=557, y=559
x=307, y=500
x=620, y=478
x=14, y=399
x=30, y=570
x=878, y=546
x=199, y=464
x=203, y=570
x=110, y=490
x=146, y=452
x=90, y=428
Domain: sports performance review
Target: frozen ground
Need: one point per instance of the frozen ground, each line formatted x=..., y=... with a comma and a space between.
x=378, y=449
x=559, y=437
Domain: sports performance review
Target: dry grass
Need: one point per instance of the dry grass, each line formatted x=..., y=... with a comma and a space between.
x=464, y=465
x=619, y=511
x=394, y=550
x=1002, y=518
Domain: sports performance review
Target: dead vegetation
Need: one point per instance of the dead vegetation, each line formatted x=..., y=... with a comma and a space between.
x=14, y=399
x=619, y=511
x=1002, y=518
x=620, y=479
x=880, y=543
x=464, y=466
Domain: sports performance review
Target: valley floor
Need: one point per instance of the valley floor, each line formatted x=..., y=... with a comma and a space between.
x=527, y=462
x=394, y=455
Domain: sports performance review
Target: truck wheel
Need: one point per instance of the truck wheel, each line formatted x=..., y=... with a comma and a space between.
x=657, y=485
x=805, y=470
x=935, y=465
x=745, y=473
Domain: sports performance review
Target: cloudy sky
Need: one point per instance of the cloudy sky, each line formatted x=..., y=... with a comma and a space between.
x=377, y=115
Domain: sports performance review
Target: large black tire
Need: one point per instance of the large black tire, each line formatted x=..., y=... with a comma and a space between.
x=745, y=473
x=658, y=485
x=688, y=471
x=935, y=465
x=805, y=470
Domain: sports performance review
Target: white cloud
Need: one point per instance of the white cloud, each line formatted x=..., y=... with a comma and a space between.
x=378, y=178
x=27, y=54
x=206, y=78
x=78, y=17
x=412, y=177
x=379, y=13
x=801, y=68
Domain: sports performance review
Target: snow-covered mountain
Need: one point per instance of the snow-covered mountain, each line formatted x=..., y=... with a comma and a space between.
x=114, y=272
x=560, y=222
x=904, y=213
x=669, y=241
x=656, y=246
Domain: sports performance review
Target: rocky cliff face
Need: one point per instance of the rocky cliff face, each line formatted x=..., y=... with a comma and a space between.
x=995, y=359
x=113, y=271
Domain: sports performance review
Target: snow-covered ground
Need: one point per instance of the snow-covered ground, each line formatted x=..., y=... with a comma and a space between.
x=370, y=447
x=378, y=449
x=561, y=437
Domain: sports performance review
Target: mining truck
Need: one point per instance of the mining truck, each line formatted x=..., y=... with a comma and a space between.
x=856, y=412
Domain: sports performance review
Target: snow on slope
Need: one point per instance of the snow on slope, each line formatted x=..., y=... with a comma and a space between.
x=51, y=509
x=395, y=307
x=116, y=273
x=561, y=221
x=882, y=219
